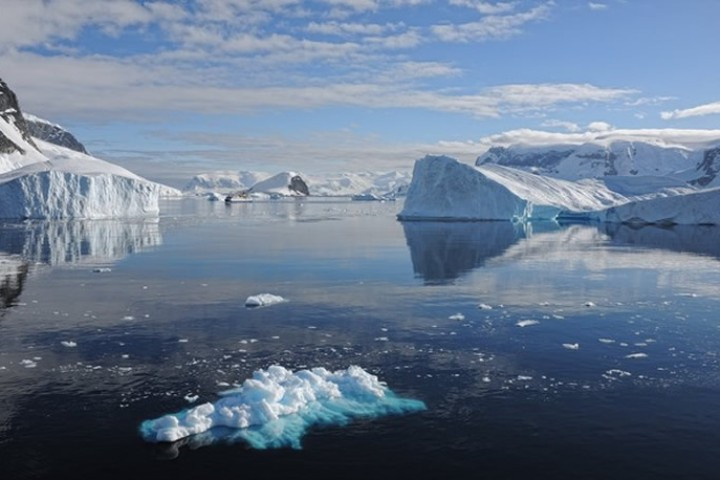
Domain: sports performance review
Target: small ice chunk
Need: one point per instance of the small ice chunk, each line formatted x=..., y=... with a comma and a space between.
x=102, y=270
x=128, y=317
x=571, y=346
x=606, y=340
x=637, y=355
x=68, y=344
x=28, y=363
x=618, y=373
x=190, y=398
x=183, y=340
x=263, y=300
x=526, y=323
x=589, y=304
x=524, y=378
x=457, y=316
x=484, y=306
x=381, y=339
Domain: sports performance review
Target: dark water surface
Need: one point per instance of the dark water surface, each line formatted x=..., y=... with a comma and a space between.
x=615, y=374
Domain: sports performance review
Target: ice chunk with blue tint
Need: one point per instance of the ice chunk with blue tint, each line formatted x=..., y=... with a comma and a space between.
x=276, y=407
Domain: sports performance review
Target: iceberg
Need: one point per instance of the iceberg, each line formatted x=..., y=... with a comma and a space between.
x=276, y=407
x=44, y=180
x=443, y=189
x=263, y=300
x=695, y=208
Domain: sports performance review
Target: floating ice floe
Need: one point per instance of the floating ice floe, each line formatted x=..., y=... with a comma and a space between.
x=102, y=270
x=68, y=344
x=263, y=300
x=457, y=316
x=276, y=407
x=571, y=346
x=527, y=323
x=637, y=355
x=484, y=306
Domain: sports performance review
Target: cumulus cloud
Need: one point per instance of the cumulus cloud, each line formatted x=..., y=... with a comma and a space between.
x=700, y=110
x=485, y=8
x=599, y=127
x=597, y=6
x=569, y=126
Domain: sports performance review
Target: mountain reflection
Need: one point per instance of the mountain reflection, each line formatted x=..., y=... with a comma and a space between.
x=697, y=239
x=13, y=273
x=444, y=251
x=79, y=241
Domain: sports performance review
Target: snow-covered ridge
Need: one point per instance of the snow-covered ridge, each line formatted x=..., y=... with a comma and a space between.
x=333, y=184
x=444, y=188
x=52, y=133
x=276, y=406
x=681, y=153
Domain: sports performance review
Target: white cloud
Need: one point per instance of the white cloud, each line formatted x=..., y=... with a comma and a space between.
x=597, y=6
x=599, y=127
x=569, y=126
x=485, y=8
x=490, y=27
x=700, y=110
x=345, y=29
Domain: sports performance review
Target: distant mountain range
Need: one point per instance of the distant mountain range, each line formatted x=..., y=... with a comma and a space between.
x=699, y=165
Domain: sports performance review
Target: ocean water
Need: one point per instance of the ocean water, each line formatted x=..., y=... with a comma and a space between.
x=540, y=350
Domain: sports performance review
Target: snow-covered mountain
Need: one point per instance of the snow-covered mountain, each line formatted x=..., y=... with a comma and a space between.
x=595, y=159
x=225, y=182
x=44, y=180
x=52, y=133
x=284, y=183
x=332, y=185
x=443, y=188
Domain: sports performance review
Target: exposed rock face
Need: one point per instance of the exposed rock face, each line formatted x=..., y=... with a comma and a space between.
x=10, y=112
x=298, y=185
x=52, y=133
x=709, y=167
x=505, y=157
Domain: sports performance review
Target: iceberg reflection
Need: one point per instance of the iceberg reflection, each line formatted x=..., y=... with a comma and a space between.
x=697, y=239
x=443, y=251
x=79, y=241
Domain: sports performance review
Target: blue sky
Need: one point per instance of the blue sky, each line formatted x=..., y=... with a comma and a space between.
x=171, y=89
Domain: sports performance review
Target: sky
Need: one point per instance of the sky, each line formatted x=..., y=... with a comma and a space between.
x=171, y=89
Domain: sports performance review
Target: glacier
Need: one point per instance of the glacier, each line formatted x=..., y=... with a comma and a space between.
x=277, y=406
x=445, y=189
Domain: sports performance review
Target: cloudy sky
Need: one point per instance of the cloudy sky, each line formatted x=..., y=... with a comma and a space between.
x=174, y=88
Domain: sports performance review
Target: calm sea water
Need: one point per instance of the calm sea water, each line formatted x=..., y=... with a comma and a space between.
x=615, y=374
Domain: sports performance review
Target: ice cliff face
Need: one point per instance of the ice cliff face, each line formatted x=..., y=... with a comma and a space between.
x=52, y=133
x=45, y=180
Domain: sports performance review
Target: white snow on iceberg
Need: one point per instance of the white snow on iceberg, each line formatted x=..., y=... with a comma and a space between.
x=263, y=300
x=696, y=208
x=276, y=407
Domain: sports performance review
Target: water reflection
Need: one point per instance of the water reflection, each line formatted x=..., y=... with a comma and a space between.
x=700, y=239
x=13, y=273
x=81, y=241
x=444, y=251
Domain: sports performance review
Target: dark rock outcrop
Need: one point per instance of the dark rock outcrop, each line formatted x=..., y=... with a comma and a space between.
x=10, y=112
x=54, y=134
x=298, y=185
x=708, y=168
